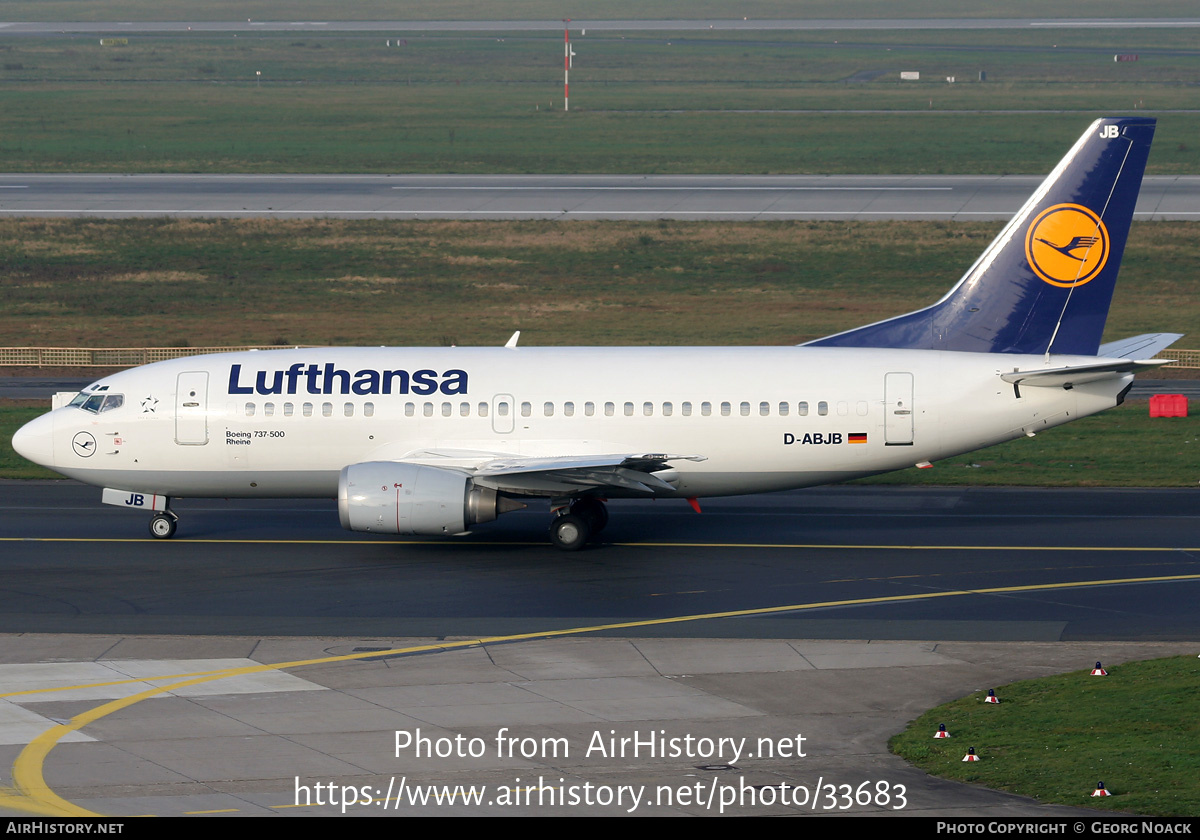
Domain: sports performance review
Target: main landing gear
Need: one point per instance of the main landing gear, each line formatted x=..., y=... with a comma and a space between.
x=573, y=526
x=163, y=525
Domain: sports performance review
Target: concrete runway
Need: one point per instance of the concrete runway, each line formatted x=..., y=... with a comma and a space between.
x=732, y=197
x=267, y=652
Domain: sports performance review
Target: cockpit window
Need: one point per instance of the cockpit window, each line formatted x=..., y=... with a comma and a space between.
x=98, y=403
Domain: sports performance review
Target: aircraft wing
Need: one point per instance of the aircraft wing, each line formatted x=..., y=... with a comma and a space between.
x=640, y=474
x=1139, y=346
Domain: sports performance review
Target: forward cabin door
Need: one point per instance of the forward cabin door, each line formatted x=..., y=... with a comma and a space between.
x=191, y=408
x=898, y=409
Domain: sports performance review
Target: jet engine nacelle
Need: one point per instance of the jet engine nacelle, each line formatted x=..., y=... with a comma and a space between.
x=385, y=497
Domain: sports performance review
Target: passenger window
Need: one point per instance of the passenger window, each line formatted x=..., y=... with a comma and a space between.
x=802, y=409
x=667, y=409
x=648, y=409
x=447, y=409
x=822, y=408
x=369, y=410
x=685, y=409
x=427, y=409
x=326, y=409
x=410, y=409
x=745, y=409
x=609, y=409
x=764, y=409
x=726, y=409
x=288, y=409
x=548, y=409
x=705, y=409
x=783, y=409
x=464, y=409
x=348, y=409
x=483, y=409
x=268, y=409
x=249, y=409
x=526, y=409
x=589, y=408
x=569, y=409
x=307, y=409
x=628, y=409
x=502, y=409
x=843, y=408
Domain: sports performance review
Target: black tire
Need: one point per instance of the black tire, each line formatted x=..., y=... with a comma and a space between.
x=569, y=532
x=162, y=526
x=592, y=510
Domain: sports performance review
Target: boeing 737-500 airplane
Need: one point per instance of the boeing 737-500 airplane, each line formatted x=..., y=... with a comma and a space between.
x=435, y=440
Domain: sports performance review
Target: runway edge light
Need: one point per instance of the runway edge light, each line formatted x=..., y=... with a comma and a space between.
x=991, y=696
x=970, y=756
x=1100, y=790
x=1098, y=671
x=941, y=733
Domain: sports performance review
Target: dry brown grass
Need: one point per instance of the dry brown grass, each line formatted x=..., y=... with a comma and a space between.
x=373, y=280
x=157, y=277
x=51, y=248
x=477, y=261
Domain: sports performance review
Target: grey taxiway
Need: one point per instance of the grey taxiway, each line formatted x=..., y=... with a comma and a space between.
x=732, y=197
x=265, y=656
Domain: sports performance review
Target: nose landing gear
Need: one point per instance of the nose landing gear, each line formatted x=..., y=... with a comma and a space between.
x=163, y=525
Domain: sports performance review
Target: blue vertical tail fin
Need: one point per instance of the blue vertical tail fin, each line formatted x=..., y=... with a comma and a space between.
x=1045, y=283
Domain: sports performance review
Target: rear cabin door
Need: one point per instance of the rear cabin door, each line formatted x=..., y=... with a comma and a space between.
x=898, y=409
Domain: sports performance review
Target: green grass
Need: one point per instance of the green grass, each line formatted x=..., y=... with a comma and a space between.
x=1053, y=739
x=122, y=283
x=1122, y=447
x=645, y=102
x=13, y=465
x=232, y=10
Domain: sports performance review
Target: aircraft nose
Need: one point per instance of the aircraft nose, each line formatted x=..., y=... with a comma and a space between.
x=35, y=440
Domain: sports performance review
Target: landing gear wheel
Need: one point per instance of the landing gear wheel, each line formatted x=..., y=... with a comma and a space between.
x=162, y=526
x=593, y=511
x=569, y=532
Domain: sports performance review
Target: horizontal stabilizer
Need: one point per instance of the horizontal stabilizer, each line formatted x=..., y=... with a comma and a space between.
x=1067, y=377
x=1144, y=346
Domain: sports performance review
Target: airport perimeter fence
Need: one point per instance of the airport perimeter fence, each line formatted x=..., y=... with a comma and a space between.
x=121, y=357
x=106, y=357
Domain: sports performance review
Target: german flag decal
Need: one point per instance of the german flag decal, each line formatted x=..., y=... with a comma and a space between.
x=856, y=437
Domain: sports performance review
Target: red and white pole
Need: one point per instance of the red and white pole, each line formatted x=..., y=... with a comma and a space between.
x=566, y=64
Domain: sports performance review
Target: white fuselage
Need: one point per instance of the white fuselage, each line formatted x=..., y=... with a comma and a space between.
x=284, y=423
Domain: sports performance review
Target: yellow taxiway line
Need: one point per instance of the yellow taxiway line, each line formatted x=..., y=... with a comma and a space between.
x=31, y=794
